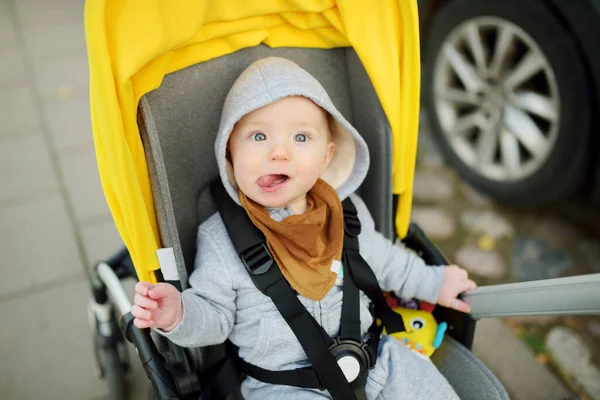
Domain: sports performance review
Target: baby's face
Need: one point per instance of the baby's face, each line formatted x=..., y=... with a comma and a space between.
x=280, y=150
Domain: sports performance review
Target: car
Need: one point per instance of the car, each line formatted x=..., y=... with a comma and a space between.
x=511, y=89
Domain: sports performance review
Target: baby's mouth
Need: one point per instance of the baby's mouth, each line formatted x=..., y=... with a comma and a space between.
x=272, y=182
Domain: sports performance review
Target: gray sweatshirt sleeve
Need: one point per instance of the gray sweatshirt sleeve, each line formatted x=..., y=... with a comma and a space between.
x=209, y=304
x=397, y=268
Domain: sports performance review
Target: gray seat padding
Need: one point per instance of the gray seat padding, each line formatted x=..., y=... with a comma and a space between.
x=469, y=377
x=179, y=121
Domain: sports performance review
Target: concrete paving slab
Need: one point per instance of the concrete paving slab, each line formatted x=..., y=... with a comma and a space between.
x=80, y=172
x=515, y=365
x=50, y=40
x=46, y=347
x=11, y=68
x=100, y=240
x=17, y=111
x=7, y=35
x=69, y=121
x=37, y=245
x=25, y=167
x=48, y=13
x=55, y=75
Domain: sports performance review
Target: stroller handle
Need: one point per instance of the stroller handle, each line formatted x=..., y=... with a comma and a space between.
x=154, y=363
x=575, y=295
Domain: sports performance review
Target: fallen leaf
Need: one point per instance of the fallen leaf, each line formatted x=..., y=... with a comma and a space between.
x=519, y=330
x=512, y=323
x=486, y=243
x=542, y=358
x=64, y=92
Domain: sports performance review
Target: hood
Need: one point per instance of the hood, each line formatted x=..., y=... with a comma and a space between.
x=271, y=79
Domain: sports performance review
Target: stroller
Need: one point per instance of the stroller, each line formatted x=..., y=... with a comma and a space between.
x=158, y=81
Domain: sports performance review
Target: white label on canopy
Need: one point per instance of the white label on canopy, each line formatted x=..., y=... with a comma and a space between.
x=168, y=266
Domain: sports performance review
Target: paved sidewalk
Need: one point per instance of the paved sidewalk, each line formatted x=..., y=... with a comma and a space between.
x=54, y=222
x=515, y=364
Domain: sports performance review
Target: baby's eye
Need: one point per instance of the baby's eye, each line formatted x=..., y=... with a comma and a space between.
x=300, y=137
x=259, y=137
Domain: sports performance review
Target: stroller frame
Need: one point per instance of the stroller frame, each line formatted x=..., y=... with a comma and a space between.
x=176, y=373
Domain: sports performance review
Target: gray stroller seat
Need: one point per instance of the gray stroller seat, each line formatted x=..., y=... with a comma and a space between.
x=179, y=122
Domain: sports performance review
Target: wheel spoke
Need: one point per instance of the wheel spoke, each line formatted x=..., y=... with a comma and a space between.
x=486, y=146
x=465, y=70
x=537, y=104
x=503, y=45
x=525, y=130
x=468, y=121
x=477, y=49
x=527, y=67
x=464, y=149
x=459, y=96
x=509, y=151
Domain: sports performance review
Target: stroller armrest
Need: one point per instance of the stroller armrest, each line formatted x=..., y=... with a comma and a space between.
x=460, y=325
x=575, y=295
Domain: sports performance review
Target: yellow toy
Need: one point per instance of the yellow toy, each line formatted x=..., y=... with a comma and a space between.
x=423, y=334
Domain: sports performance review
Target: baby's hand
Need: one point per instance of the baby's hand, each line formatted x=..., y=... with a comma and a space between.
x=456, y=281
x=156, y=306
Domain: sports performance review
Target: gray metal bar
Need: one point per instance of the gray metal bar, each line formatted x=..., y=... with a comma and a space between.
x=114, y=288
x=576, y=295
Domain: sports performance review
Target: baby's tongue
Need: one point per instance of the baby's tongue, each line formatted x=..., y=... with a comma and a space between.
x=270, y=180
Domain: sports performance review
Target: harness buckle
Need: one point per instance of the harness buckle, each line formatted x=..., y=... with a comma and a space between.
x=354, y=358
x=257, y=259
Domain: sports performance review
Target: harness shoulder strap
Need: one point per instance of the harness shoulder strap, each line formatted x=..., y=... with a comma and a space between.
x=362, y=273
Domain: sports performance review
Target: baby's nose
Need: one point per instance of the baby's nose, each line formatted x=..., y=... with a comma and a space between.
x=280, y=153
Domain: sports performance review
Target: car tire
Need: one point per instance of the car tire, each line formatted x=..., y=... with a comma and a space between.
x=562, y=170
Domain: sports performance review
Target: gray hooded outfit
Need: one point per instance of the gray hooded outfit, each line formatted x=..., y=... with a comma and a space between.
x=223, y=303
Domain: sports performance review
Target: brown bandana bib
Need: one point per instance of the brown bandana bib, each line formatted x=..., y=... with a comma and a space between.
x=305, y=245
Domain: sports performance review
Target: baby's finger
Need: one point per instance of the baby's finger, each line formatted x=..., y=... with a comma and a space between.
x=143, y=288
x=145, y=302
x=460, y=306
x=142, y=323
x=140, y=312
x=466, y=285
x=160, y=290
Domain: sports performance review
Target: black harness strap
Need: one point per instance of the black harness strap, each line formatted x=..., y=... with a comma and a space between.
x=350, y=323
x=300, y=377
x=266, y=275
x=363, y=275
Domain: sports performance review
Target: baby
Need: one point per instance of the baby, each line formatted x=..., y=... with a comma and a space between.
x=288, y=156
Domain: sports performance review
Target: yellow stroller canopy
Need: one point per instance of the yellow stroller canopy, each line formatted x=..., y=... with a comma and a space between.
x=133, y=44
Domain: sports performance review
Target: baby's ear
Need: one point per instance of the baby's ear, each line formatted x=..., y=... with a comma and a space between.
x=228, y=151
x=330, y=153
x=331, y=127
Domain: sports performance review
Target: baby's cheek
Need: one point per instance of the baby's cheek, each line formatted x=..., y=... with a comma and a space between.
x=241, y=178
